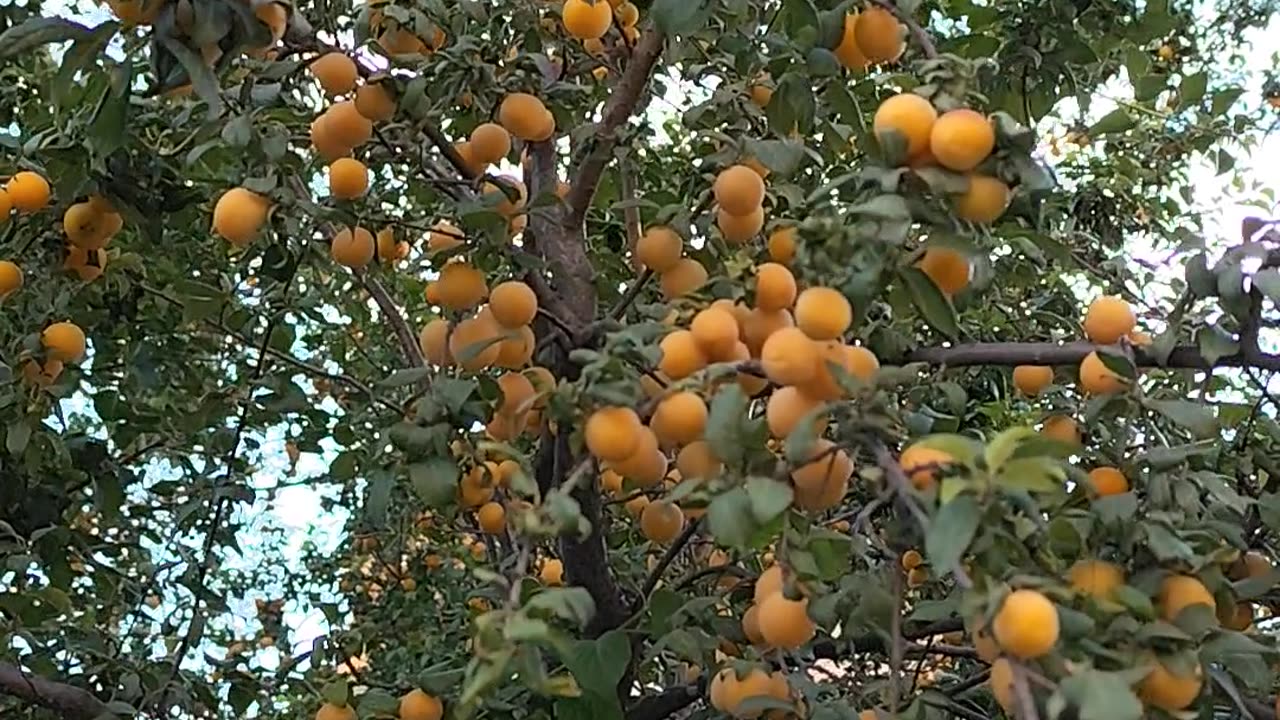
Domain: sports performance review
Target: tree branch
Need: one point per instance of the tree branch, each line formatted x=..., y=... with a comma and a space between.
x=621, y=104
x=399, y=325
x=67, y=701
x=1183, y=356
x=668, y=557
x=666, y=703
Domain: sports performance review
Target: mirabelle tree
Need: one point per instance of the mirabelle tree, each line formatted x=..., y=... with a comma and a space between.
x=619, y=360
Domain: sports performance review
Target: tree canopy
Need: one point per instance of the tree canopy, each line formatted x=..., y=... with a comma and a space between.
x=687, y=358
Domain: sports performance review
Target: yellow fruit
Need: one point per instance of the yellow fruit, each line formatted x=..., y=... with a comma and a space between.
x=513, y=304
x=472, y=343
x=789, y=357
x=329, y=711
x=679, y=419
x=11, y=277
x=84, y=226
x=848, y=52
x=461, y=286
x=1166, y=53
x=685, y=277
x=1026, y=625
x=1062, y=429
x=612, y=433
x=375, y=102
x=552, y=573
x=787, y=406
x=345, y=126
x=682, y=356
x=961, y=139
x=879, y=35
x=909, y=115
x=628, y=14
x=28, y=191
x=728, y=691
x=515, y=392
x=1108, y=319
x=490, y=142
x=524, y=116
x=785, y=623
x=646, y=466
x=782, y=244
x=751, y=626
x=636, y=505
x=1179, y=592
x=759, y=325
x=1164, y=689
x=444, y=236
x=6, y=205
x=1138, y=338
x=715, y=330
x=757, y=167
x=64, y=341
x=399, y=41
x=584, y=19
x=697, y=461
x=1097, y=379
x=239, y=214
x=1032, y=379
x=738, y=190
x=1001, y=681
x=324, y=140
x=827, y=466
x=922, y=465
x=1108, y=481
x=775, y=288
x=917, y=577
x=434, y=340
x=661, y=521
x=516, y=349
x=418, y=705
x=335, y=72
x=769, y=583
x=983, y=201
x=1095, y=577
x=348, y=179
x=823, y=313
x=760, y=94
x=738, y=229
x=611, y=481
x=86, y=264
x=911, y=560
x=947, y=268
x=861, y=363
x=475, y=489
x=352, y=248
x=492, y=518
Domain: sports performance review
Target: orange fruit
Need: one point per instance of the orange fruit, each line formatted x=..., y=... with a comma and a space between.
x=524, y=116
x=492, y=518
x=847, y=51
x=1062, y=429
x=584, y=19
x=444, y=236
x=922, y=464
x=738, y=190
x=612, y=433
x=738, y=229
x=1026, y=626
x=679, y=419
x=879, y=35
x=782, y=244
x=434, y=341
x=375, y=102
x=1098, y=379
x=1095, y=577
x=239, y=214
x=627, y=14
x=983, y=201
x=1169, y=691
x=472, y=342
x=682, y=356
x=335, y=72
x=352, y=248
x=1032, y=379
x=697, y=460
x=775, y=287
x=345, y=126
x=646, y=466
x=661, y=521
x=327, y=145
x=460, y=286
x=947, y=268
x=64, y=341
x=823, y=313
x=685, y=277
x=961, y=139
x=659, y=249
x=11, y=275
x=1001, y=681
x=516, y=390
x=789, y=357
x=759, y=325
x=490, y=142
x=552, y=573
x=329, y=711
x=1108, y=319
x=28, y=191
x=418, y=705
x=348, y=179
x=513, y=304
x=785, y=623
x=1179, y=592
x=909, y=115
x=715, y=330
x=787, y=406
x=911, y=560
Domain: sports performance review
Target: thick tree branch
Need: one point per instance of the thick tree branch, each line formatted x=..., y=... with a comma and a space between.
x=67, y=701
x=572, y=292
x=1183, y=356
x=621, y=104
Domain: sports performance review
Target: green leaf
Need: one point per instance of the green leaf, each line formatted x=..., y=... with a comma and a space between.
x=768, y=498
x=780, y=156
x=379, y=702
x=1005, y=445
x=1197, y=418
x=1200, y=279
x=884, y=207
x=1268, y=281
x=1101, y=696
x=1165, y=545
x=963, y=448
x=1036, y=475
x=435, y=480
x=572, y=604
x=1215, y=343
x=378, y=488
x=81, y=53
x=678, y=17
x=37, y=31
x=335, y=693
x=929, y=300
x=731, y=518
x=1192, y=89
x=598, y=665
x=405, y=376
x=17, y=436
x=725, y=431
x=200, y=75
x=1115, y=121
x=952, y=530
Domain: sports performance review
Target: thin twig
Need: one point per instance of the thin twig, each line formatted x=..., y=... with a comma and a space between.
x=668, y=557
x=630, y=295
x=895, y=639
